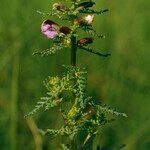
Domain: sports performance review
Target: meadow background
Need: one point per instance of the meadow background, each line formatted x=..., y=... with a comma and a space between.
x=121, y=81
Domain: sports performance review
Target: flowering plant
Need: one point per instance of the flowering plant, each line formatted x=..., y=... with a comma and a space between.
x=84, y=117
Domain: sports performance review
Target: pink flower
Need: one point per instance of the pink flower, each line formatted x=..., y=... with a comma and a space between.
x=50, y=29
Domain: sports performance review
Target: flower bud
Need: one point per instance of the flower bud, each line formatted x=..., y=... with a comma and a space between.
x=59, y=7
x=85, y=41
x=65, y=30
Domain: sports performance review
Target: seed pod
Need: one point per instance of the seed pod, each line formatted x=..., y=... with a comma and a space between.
x=85, y=41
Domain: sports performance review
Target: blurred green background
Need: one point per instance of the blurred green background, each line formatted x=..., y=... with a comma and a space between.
x=121, y=81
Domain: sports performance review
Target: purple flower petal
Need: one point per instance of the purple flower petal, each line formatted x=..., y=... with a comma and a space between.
x=51, y=34
x=50, y=29
x=45, y=27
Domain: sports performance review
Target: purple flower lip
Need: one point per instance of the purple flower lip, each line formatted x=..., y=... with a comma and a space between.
x=51, y=29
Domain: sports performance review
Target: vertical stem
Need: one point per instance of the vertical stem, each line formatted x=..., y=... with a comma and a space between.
x=73, y=146
x=73, y=50
x=73, y=63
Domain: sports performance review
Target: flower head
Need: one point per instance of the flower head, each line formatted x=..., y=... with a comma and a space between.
x=50, y=29
x=89, y=19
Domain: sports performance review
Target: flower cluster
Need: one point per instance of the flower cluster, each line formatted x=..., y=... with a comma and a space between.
x=52, y=29
x=80, y=16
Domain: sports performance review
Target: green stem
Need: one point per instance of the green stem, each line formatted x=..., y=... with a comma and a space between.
x=73, y=145
x=73, y=50
x=73, y=63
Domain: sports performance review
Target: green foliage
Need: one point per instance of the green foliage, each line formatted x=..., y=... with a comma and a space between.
x=70, y=84
x=64, y=147
x=84, y=115
x=52, y=50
